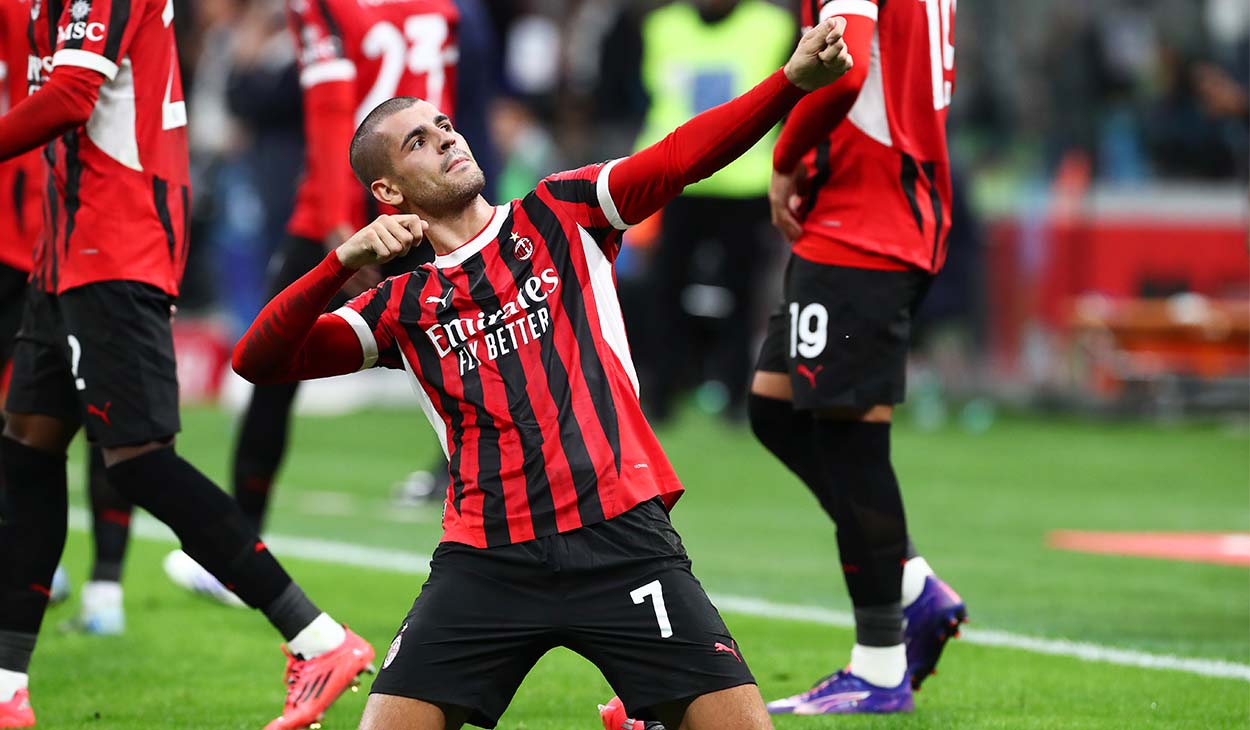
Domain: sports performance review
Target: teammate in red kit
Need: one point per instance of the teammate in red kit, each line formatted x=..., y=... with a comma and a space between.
x=21, y=181
x=353, y=56
x=95, y=346
x=556, y=527
x=861, y=187
x=21, y=217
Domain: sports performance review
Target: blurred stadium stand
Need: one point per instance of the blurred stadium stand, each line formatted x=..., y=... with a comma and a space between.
x=1102, y=261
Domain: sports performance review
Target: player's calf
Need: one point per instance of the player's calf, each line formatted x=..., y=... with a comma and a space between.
x=210, y=526
x=787, y=433
x=32, y=536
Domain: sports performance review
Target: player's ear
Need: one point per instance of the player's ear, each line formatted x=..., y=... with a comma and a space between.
x=384, y=192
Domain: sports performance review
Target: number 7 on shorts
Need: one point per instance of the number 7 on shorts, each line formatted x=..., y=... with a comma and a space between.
x=656, y=592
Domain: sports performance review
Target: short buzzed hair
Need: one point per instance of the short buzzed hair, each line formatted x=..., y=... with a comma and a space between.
x=368, y=156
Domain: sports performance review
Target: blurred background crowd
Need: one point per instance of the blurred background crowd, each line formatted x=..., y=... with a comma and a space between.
x=1099, y=251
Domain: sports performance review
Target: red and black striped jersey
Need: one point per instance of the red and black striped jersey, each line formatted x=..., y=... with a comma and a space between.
x=21, y=179
x=118, y=188
x=517, y=349
x=880, y=180
x=515, y=341
x=384, y=49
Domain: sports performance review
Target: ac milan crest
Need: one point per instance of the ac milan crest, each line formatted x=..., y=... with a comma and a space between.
x=394, y=650
x=523, y=248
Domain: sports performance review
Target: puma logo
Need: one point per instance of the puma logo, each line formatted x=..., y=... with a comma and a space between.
x=810, y=374
x=440, y=301
x=733, y=652
x=103, y=414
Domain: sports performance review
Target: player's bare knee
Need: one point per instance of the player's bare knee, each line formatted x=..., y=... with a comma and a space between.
x=875, y=414
x=39, y=432
x=773, y=385
x=117, y=454
x=737, y=708
x=390, y=712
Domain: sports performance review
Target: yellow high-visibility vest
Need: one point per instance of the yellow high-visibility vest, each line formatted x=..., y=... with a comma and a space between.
x=689, y=66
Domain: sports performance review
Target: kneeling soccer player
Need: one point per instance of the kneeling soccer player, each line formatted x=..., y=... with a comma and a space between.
x=556, y=528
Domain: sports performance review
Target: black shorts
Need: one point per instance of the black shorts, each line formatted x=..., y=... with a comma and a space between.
x=12, y=298
x=842, y=334
x=620, y=593
x=299, y=255
x=102, y=355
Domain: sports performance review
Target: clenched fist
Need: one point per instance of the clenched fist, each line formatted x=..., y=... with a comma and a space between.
x=821, y=56
x=386, y=238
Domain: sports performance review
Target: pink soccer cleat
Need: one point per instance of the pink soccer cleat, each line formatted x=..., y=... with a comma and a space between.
x=314, y=684
x=614, y=718
x=17, y=712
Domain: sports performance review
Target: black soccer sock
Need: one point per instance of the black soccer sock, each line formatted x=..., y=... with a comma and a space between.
x=863, y=497
x=110, y=520
x=291, y=611
x=16, y=648
x=261, y=444
x=788, y=434
x=211, y=527
x=879, y=625
x=33, y=514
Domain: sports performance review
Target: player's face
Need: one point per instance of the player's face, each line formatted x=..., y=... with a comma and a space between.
x=431, y=165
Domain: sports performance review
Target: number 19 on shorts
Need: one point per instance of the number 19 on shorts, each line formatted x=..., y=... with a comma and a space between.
x=809, y=330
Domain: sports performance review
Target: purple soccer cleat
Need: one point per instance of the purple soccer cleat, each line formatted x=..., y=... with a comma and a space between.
x=929, y=622
x=842, y=693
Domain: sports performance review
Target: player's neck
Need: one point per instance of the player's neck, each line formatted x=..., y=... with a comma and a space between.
x=447, y=233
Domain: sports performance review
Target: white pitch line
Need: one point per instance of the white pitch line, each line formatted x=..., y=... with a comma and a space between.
x=401, y=561
x=287, y=546
x=992, y=637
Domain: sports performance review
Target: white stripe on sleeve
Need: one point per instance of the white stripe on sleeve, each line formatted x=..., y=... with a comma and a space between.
x=849, y=7
x=338, y=69
x=368, y=345
x=605, y=198
x=85, y=59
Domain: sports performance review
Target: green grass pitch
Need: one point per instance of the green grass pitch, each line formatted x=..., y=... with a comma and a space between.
x=979, y=508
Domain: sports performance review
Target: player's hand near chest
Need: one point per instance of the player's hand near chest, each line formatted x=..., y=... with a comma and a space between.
x=820, y=59
x=388, y=237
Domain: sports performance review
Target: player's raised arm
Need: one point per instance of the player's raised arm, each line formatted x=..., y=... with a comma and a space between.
x=64, y=103
x=328, y=79
x=291, y=339
x=80, y=66
x=815, y=117
x=818, y=113
x=644, y=182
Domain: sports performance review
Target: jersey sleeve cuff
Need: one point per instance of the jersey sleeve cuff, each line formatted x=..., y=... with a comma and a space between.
x=85, y=59
x=606, y=204
x=368, y=345
x=865, y=8
x=337, y=269
x=338, y=69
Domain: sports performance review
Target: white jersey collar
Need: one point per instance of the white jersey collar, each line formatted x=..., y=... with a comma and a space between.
x=461, y=253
